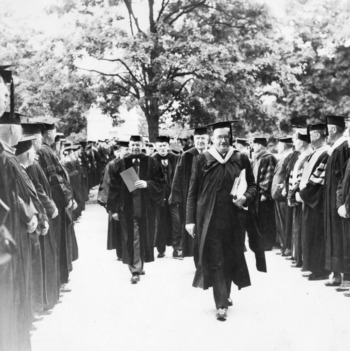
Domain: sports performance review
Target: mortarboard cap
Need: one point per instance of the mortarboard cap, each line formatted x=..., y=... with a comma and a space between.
x=123, y=143
x=83, y=143
x=200, y=131
x=319, y=127
x=260, y=140
x=286, y=140
x=162, y=139
x=223, y=124
x=24, y=144
x=30, y=126
x=11, y=118
x=242, y=141
x=304, y=137
x=136, y=138
x=336, y=120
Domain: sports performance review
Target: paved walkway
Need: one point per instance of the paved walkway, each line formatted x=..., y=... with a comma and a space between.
x=281, y=311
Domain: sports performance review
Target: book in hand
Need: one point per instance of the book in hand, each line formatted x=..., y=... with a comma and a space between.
x=239, y=186
x=130, y=177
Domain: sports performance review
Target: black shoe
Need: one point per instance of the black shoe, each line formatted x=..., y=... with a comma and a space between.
x=333, y=283
x=135, y=279
x=317, y=276
x=142, y=272
x=296, y=265
x=177, y=254
x=229, y=302
x=221, y=314
x=161, y=255
x=342, y=288
x=291, y=258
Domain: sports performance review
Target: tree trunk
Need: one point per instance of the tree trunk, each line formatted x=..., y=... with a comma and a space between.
x=153, y=127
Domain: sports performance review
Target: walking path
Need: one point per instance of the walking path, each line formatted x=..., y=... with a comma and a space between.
x=281, y=311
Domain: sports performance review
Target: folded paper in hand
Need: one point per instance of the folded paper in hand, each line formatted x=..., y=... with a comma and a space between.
x=130, y=177
x=239, y=186
x=4, y=211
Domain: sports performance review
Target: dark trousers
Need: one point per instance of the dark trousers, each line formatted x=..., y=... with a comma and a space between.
x=218, y=251
x=280, y=215
x=164, y=237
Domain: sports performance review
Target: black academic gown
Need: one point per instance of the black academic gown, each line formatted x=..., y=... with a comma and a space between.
x=263, y=168
x=343, y=198
x=207, y=177
x=22, y=211
x=313, y=245
x=164, y=226
x=114, y=234
x=333, y=222
x=47, y=242
x=289, y=212
x=179, y=192
x=281, y=206
x=120, y=201
x=13, y=333
x=62, y=194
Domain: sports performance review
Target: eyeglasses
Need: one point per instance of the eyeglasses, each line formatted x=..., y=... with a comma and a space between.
x=222, y=137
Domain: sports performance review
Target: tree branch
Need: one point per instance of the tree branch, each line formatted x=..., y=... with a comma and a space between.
x=128, y=5
x=183, y=10
x=175, y=97
x=165, y=3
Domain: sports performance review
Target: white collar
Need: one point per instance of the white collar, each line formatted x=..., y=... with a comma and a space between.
x=337, y=143
x=215, y=153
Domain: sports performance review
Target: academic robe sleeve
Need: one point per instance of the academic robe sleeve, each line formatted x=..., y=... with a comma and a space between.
x=312, y=194
x=26, y=210
x=115, y=198
x=192, y=192
x=156, y=181
x=266, y=175
x=48, y=204
x=176, y=188
x=251, y=185
x=343, y=193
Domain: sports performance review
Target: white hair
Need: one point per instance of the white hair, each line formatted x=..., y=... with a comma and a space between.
x=10, y=133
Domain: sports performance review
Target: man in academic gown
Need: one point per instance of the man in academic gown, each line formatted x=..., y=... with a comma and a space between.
x=338, y=156
x=168, y=227
x=180, y=186
x=311, y=193
x=217, y=220
x=343, y=205
x=114, y=235
x=136, y=210
x=25, y=154
x=302, y=145
x=285, y=150
x=47, y=242
x=21, y=220
x=263, y=169
x=62, y=194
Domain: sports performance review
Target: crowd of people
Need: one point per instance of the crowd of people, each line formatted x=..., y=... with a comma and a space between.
x=296, y=202
x=295, y=199
x=44, y=185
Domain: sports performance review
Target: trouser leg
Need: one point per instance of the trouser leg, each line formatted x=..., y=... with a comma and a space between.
x=137, y=266
x=176, y=227
x=215, y=266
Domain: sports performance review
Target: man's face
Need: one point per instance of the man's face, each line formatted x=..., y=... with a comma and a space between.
x=31, y=156
x=314, y=136
x=256, y=147
x=332, y=132
x=298, y=144
x=37, y=143
x=4, y=98
x=51, y=135
x=280, y=147
x=221, y=139
x=201, y=141
x=162, y=148
x=135, y=147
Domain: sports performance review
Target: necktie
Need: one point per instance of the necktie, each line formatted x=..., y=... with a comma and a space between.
x=136, y=195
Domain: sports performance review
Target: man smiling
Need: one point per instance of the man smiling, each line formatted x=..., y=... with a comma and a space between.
x=217, y=219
